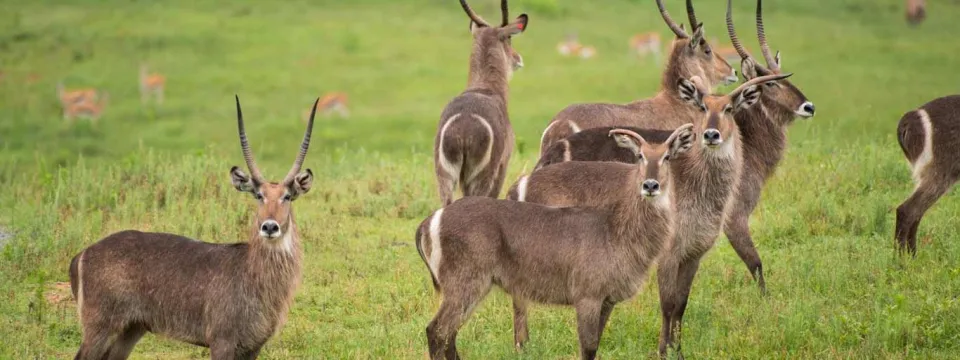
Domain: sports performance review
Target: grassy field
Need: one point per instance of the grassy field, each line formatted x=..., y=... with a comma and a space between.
x=824, y=226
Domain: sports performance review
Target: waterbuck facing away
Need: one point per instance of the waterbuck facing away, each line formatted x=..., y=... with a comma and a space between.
x=691, y=56
x=228, y=297
x=591, y=258
x=928, y=137
x=475, y=139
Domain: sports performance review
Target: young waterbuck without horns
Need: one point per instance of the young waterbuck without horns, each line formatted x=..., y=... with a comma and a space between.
x=228, y=297
x=590, y=258
x=763, y=131
x=475, y=139
x=595, y=145
x=928, y=138
x=690, y=56
x=705, y=180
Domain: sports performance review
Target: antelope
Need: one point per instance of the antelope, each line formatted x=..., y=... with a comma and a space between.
x=728, y=53
x=151, y=85
x=589, y=258
x=332, y=102
x=691, y=56
x=916, y=11
x=68, y=97
x=86, y=109
x=229, y=297
x=925, y=137
x=571, y=46
x=763, y=132
x=474, y=138
x=595, y=145
x=646, y=44
x=705, y=181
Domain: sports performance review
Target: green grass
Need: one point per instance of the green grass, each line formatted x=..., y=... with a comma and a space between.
x=824, y=226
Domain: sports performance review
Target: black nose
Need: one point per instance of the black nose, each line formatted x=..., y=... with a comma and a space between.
x=711, y=136
x=651, y=186
x=270, y=227
x=808, y=107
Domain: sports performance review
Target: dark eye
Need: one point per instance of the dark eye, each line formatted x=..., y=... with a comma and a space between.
x=728, y=108
x=709, y=51
x=259, y=196
x=666, y=157
x=287, y=197
x=771, y=84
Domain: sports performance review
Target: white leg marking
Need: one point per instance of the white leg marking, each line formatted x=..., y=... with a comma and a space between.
x=522, y=188
x=80, y=287
x=566, y=150
x=485, y=160
x=435, y=255
x=573, y=126
x=453, y=170
x=920, y=166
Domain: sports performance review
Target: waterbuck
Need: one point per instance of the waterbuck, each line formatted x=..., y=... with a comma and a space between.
x=690, y=56
x=705, y=180
x=475, y=139
x=591, y=258
x=926, y=136
x=228, y=297
x=596, y=145
x=763, y=130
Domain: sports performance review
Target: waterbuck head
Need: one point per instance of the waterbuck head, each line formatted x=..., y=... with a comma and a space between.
x=692, y=55
x=718, y=123
x=274, y=214
x=654, y=177
x=494, y=43
x=782, y=96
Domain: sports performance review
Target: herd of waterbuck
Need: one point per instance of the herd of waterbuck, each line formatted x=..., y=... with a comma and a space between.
x=617, y=189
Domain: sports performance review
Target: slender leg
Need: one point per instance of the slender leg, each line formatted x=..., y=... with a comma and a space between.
x=912, y=210
x=446, y=183
x=520, y=333
x=605, y=310
x=667, y=286
x=588, y=327
x=223, y=350
x=456, y=307
x=96, y=344
x=737, y=229
x=687, y=271
x=251, y=354
x=124, y=345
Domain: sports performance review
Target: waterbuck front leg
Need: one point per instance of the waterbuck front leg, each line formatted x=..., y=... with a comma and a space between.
x=589, y=319
x=520, y=333
x=909, y=214
x=737, y=229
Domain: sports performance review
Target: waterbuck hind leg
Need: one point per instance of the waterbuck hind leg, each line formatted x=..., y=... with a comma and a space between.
x=520, y=332
x=457, y=305
x=911, y=211
x=446, y=185
x=124, y=344
x=96, y=344
x=589, y=315
x=224, y=350
x=737, y=229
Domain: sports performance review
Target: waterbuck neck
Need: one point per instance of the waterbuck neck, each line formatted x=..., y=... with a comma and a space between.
x=764, y=136
x=709, y=177
x=489, y=68
x=674, y=71
x=275, y=268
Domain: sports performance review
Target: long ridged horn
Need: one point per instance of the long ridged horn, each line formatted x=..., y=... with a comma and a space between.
x=247, y=155
x=505, y=12
x=298, y=163
x=733, y=32
x=762, y=37
x=473, y=16
x=759, y=80
x=672, y=24
x=691, y=14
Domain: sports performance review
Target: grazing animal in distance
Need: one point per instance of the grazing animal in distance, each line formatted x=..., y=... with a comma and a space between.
x=474, y=139
x=927, y=136
x=68, y=97
x=572, y=47
x=86, y=109
x=229, y=297
x=151, y=85
x=588, y=258
x=691, y=56
x=916, y=11
x=647, y=44
x=330, y=103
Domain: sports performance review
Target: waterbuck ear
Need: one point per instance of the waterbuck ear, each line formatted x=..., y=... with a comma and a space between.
x=690, y=93
x=627, y=142
x=300, y=184
x=681, y=140
x=241, y=181
x=517, y=26
x=747, y=98
x=697, y=38
x=748, y=67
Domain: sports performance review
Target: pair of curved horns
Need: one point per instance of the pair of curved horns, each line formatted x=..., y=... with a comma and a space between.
x=479, y=20
x=248, y=155
x=759, y=80
x=676, y=28
x=772, y=62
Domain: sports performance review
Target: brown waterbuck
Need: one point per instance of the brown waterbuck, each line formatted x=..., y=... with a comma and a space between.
x=705, y=179
x=229, y=297
x=475, y=139
x=763, y=131
x=926, y=138
x=595, y=145
x=690, y=56
x=590, y=258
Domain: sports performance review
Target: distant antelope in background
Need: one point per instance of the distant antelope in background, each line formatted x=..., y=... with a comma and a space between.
x=647, y=44
x=474, y=139
x=916, y=11
x=572, y=47
x=332, y=102
x=229, y=297
x=928, y=138
x=86, y=109
x=727, y=52
x=68, y=97
x=151, y=85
